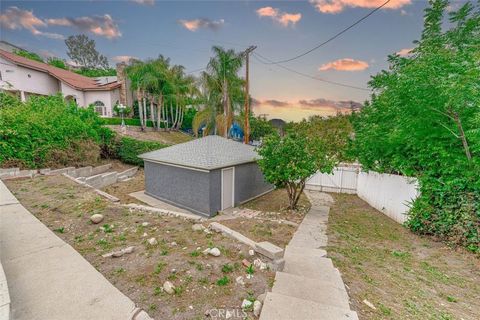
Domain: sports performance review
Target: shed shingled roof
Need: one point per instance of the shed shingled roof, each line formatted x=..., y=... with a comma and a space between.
x=208, y=153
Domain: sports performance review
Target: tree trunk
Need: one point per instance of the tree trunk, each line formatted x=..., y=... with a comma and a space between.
x=159, y=112
x=152, y=114
x=171, y=114
x=182, y=113
x=225, y=108
x=294, y=191
x=462, y=137
x=144, y=111
x=140, y=111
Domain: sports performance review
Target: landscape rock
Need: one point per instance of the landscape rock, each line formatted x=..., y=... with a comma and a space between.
x=246, y=263
x=369, y=304
x=96, y=218
x=197, y=227
x=169, y=287
x=246, y=304
x=152, y=241
x=251, y=252
x=239, y=280
x=145, y=224
x=128, y=250
x=260, y=264
x=257, y=307
x=214, y=252
x=117, y=254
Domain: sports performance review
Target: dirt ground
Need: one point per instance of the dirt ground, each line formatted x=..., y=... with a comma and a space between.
x=259, y=230
x=403, y=275
x=121, y=190
x=167, y=137
x=275, y=205
x=202, y=281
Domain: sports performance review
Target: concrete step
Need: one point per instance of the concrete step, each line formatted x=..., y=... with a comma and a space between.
x=316, y=291
x=314, y=268
x=309, y=240
x=291, y=249
x=283, y=307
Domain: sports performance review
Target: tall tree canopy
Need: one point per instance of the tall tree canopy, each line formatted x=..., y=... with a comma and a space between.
x=422, y=120
x=81, y=49
x=222, y=92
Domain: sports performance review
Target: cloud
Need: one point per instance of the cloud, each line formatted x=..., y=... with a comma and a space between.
x=14, y=18
x=336, y=6
x=283, y=18
x=103, y=26
x=195, y=24
x=123, y=58
x=346, y=64
x=144, y=2
x=405, y=52
x=321, y=105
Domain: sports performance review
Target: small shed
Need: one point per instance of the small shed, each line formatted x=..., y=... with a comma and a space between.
x=205, y=175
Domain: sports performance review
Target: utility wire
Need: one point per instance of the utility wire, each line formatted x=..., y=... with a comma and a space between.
x=307, y=75
x=333, y=37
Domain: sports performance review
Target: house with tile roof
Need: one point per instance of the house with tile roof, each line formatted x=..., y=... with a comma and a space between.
x=24, y=77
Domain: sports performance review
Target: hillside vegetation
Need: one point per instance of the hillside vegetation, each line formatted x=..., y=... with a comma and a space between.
x=48, y=132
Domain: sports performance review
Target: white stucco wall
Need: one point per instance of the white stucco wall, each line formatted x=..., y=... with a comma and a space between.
x=69, y=91
x=107, y=97
x=28, y=80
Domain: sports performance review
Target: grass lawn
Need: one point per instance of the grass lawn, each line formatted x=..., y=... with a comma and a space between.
x=166, y=137
x=202, y=281
x=403, y=275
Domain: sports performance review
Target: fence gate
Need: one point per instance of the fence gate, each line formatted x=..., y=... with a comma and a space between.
x=343, y=179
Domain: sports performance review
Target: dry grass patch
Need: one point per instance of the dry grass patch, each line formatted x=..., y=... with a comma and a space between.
x=259, y=230
x=275, y=205
x=165, y=137
x=121, y=190
x=404, y=275
x=202, y=281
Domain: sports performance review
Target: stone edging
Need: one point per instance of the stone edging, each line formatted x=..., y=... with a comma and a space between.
x=186, y=216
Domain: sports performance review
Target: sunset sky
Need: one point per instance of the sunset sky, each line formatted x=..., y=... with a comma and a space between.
x=186, y=30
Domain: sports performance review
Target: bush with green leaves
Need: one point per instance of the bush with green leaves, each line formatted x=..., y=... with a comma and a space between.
x=287, y=162
x=422, y=121
x=46, y=131
x=129, y=149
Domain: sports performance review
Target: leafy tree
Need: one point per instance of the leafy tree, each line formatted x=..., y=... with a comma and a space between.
x=422, y=121
x=57, y=62
x=334, y=132
x=259, y=127
x=28, y=55
x=94, y=73
x=287, y=162
x=82, y=51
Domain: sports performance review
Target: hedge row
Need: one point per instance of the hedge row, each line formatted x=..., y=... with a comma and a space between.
x=128, y=149
x=128, y=121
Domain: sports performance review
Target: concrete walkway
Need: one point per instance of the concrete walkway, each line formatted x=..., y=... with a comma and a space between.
x=309, y=287
x=47, y=278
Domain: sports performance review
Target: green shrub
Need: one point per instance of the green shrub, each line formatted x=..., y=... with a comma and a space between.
x=129, y=149
x=46, y=131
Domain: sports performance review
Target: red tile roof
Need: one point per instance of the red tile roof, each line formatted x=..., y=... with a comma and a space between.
x=73, y=79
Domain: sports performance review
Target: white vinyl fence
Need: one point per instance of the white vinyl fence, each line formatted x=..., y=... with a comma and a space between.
x=388, y=193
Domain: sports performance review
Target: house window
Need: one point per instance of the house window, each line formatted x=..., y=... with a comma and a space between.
x=99, y=107
x=1, y=76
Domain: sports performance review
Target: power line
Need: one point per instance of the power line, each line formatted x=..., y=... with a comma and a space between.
x=333, y=37
x=307, y=75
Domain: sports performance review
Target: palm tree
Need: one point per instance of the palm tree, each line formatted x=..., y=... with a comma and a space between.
x=222, y=91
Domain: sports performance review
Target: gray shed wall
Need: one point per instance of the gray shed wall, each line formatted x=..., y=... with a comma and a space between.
x=200, y=192
x=189, y=189
x=249, y=182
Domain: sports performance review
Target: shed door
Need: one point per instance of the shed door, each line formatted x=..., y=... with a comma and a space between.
x=228, y=183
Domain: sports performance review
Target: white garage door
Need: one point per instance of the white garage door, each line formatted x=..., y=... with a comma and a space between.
x=228, y=178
